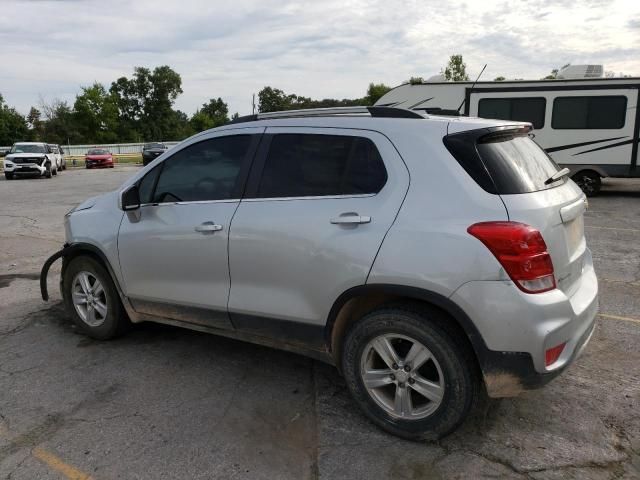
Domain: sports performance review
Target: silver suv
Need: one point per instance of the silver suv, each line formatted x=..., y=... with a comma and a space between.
x=430, y=259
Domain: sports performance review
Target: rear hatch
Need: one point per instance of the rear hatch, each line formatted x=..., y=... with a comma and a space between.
x=522, y=174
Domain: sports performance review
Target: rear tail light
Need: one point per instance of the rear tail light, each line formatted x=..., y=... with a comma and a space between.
x=551, y=355
x=521, y=250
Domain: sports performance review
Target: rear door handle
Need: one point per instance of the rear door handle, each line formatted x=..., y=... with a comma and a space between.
x=350, y=219
x=208, y=227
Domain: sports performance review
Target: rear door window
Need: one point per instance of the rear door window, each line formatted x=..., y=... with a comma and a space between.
x=308, y=165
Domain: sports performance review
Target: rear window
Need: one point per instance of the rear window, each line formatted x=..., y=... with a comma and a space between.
x=504, y=162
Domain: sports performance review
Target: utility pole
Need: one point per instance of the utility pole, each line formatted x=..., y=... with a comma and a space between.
x=253, y=104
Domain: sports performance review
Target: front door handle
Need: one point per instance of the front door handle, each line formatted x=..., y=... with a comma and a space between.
x=350, y=219
x=208, y=227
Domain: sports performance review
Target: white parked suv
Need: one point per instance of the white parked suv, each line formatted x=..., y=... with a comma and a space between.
x=30, y=158
x=429, y=258
x=58, y=152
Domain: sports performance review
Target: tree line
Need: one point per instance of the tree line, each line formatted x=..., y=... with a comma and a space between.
x=140, y=108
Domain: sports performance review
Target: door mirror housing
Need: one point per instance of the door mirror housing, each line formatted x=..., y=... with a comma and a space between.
x=130, y=199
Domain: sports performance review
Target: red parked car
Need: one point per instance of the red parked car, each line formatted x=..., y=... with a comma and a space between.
x=99, y=158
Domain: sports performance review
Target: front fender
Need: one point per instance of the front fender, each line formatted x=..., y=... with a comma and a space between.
x=70, y=250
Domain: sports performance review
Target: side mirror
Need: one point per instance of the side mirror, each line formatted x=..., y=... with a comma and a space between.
x=130, y=199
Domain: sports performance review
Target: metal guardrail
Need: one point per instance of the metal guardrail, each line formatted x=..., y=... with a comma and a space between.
x=115, y=148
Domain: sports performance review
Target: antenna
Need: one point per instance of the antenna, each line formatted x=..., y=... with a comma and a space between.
x=474, y=84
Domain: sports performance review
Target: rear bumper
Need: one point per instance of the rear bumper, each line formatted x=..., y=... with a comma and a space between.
x=508, y=374
x=518, y=328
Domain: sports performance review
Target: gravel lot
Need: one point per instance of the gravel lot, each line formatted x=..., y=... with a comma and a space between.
x=168, y=403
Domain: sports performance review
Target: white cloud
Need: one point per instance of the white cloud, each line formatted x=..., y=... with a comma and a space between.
x=318, y=49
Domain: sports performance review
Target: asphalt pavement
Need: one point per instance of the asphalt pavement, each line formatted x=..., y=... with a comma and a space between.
x=167, y=403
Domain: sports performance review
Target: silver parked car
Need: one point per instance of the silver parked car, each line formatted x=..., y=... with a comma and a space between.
x=429, y=258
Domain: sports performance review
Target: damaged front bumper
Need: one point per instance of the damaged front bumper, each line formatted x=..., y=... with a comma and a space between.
x=45, y=269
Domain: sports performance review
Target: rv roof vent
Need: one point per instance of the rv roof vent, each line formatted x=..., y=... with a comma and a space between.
x=581, y=71
x=437, y=78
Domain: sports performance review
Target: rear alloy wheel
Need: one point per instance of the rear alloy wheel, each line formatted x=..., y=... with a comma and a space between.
x=406, y=387
x=589, y=181
x=407, y=374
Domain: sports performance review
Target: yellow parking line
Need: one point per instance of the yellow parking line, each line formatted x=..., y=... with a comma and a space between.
x=613, y=228
x=70, y=472
x=610, y=280
x=617, y=317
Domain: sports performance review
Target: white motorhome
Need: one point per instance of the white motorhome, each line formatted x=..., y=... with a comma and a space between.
x=590, y=125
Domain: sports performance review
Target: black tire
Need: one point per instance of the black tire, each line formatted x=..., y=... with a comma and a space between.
x=47, y=172
x=116, y=321
x=457, y=365
x=8, y=176
x=589, y=181
x=54, y=172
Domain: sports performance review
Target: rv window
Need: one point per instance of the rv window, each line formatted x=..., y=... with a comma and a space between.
x=589, y=112
x=520, y=109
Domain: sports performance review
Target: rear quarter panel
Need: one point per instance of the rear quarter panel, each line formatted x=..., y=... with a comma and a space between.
x=428, y=246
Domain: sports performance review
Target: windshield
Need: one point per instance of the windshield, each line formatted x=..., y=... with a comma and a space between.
x=98, y=151
x=27, y=148
x=149, y=146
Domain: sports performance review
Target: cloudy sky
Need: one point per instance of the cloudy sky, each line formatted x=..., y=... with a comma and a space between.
x=326, y=48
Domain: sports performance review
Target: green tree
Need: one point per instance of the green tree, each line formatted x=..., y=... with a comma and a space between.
x=60, y=125
x=274, y=100
x=456, y=69
x=375, y=92
x=96, y=115
x=35, y=124
x=145, y=103
x=13, y=126
x=499, y=79
x=554, y=73
x=211, y=115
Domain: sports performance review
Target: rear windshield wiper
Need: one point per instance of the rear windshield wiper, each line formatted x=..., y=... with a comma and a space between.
x=557, y=176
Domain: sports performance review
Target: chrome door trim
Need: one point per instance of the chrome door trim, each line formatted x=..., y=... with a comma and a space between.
x=163, y=204
x=323, y=197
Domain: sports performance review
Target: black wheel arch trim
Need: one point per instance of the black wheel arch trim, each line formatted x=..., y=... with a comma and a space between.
x=415, y=293
x=516, y=367
x=72, y=250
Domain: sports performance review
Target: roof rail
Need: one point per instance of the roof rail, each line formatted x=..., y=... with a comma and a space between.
x=376, y=111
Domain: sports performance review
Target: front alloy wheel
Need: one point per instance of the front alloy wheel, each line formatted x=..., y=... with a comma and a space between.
x=89, y=299
x=402, y=376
